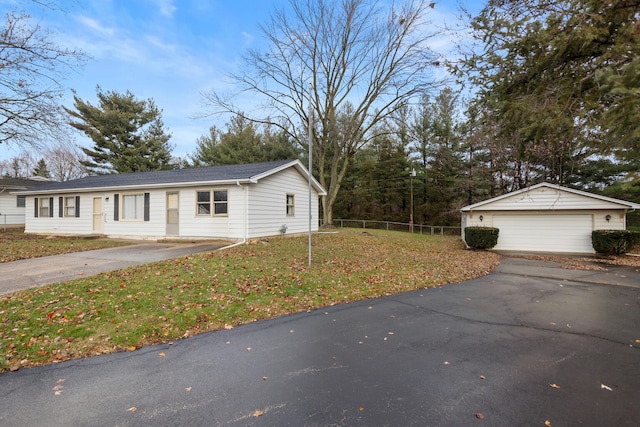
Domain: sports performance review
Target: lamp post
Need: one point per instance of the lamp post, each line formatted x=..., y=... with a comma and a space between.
x=411, y=175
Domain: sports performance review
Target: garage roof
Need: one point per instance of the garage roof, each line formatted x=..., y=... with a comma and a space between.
x=538, y=197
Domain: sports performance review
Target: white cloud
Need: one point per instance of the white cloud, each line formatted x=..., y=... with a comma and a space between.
x=95, y=25
x=166, y=7
x=248, y=38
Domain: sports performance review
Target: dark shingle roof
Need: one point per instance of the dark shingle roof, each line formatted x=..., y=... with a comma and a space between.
x=22, y=183
x=225, y=173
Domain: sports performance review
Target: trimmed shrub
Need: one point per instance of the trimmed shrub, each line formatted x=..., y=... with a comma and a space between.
x=481, y=237
x=634, y=242
x=611, y=242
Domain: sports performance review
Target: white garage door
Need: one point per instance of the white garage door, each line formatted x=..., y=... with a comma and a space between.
x=544, y=233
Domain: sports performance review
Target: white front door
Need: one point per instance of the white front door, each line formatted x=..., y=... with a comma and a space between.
x=97, y=215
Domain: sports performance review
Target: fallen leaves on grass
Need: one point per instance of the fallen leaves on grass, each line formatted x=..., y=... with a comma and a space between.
x=158, y=303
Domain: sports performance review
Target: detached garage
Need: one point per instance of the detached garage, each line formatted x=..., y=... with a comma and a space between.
x=548, y=218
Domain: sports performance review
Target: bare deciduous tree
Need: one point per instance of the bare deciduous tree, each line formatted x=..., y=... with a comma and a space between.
x=32, y=68
x=354, y=61
x=64, y=162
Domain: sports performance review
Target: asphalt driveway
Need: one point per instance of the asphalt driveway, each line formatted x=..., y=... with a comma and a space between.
x=30, y=273
x=509, y=349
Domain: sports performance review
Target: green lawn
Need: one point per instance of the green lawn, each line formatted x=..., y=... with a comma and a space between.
x=165, y=301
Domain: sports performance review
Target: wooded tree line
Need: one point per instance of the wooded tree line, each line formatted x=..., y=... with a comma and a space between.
x=554, y=96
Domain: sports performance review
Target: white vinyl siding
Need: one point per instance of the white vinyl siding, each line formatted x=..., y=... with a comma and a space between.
x=60, y=225
x=266, y=218
x=11, y=211
x=226, y=226
x=545, y=232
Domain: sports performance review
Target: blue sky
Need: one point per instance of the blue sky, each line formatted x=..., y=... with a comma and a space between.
x=168, y=50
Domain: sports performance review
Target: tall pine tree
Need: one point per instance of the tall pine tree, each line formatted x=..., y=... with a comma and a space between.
x=128, y=133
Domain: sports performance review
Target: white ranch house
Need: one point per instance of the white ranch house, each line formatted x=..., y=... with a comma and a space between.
x=548, y=218
x=235, y=202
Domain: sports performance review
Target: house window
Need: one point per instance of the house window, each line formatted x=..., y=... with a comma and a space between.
x=44, y=208
x=132, y=207
x=21, y=201
x=220, y=202
x=291, y=205
x=204, y=203
x=70, y=206
x=215, y=202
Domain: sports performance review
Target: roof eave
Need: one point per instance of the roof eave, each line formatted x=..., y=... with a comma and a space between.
x=138, y=187
x=300, y=167
x=623, y=203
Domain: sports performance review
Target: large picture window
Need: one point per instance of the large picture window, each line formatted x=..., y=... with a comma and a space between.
x=212, y=202
x=132, y=207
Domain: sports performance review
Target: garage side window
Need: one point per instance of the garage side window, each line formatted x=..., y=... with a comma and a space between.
x=21, y=201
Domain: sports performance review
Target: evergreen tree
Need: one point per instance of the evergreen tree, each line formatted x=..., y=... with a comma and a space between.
x=128, y=134
x=560, y=79
x=437, y=143
x=242, y=143
x=41, y=169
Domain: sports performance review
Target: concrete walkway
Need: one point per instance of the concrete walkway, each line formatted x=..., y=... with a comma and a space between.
x=34, y=272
